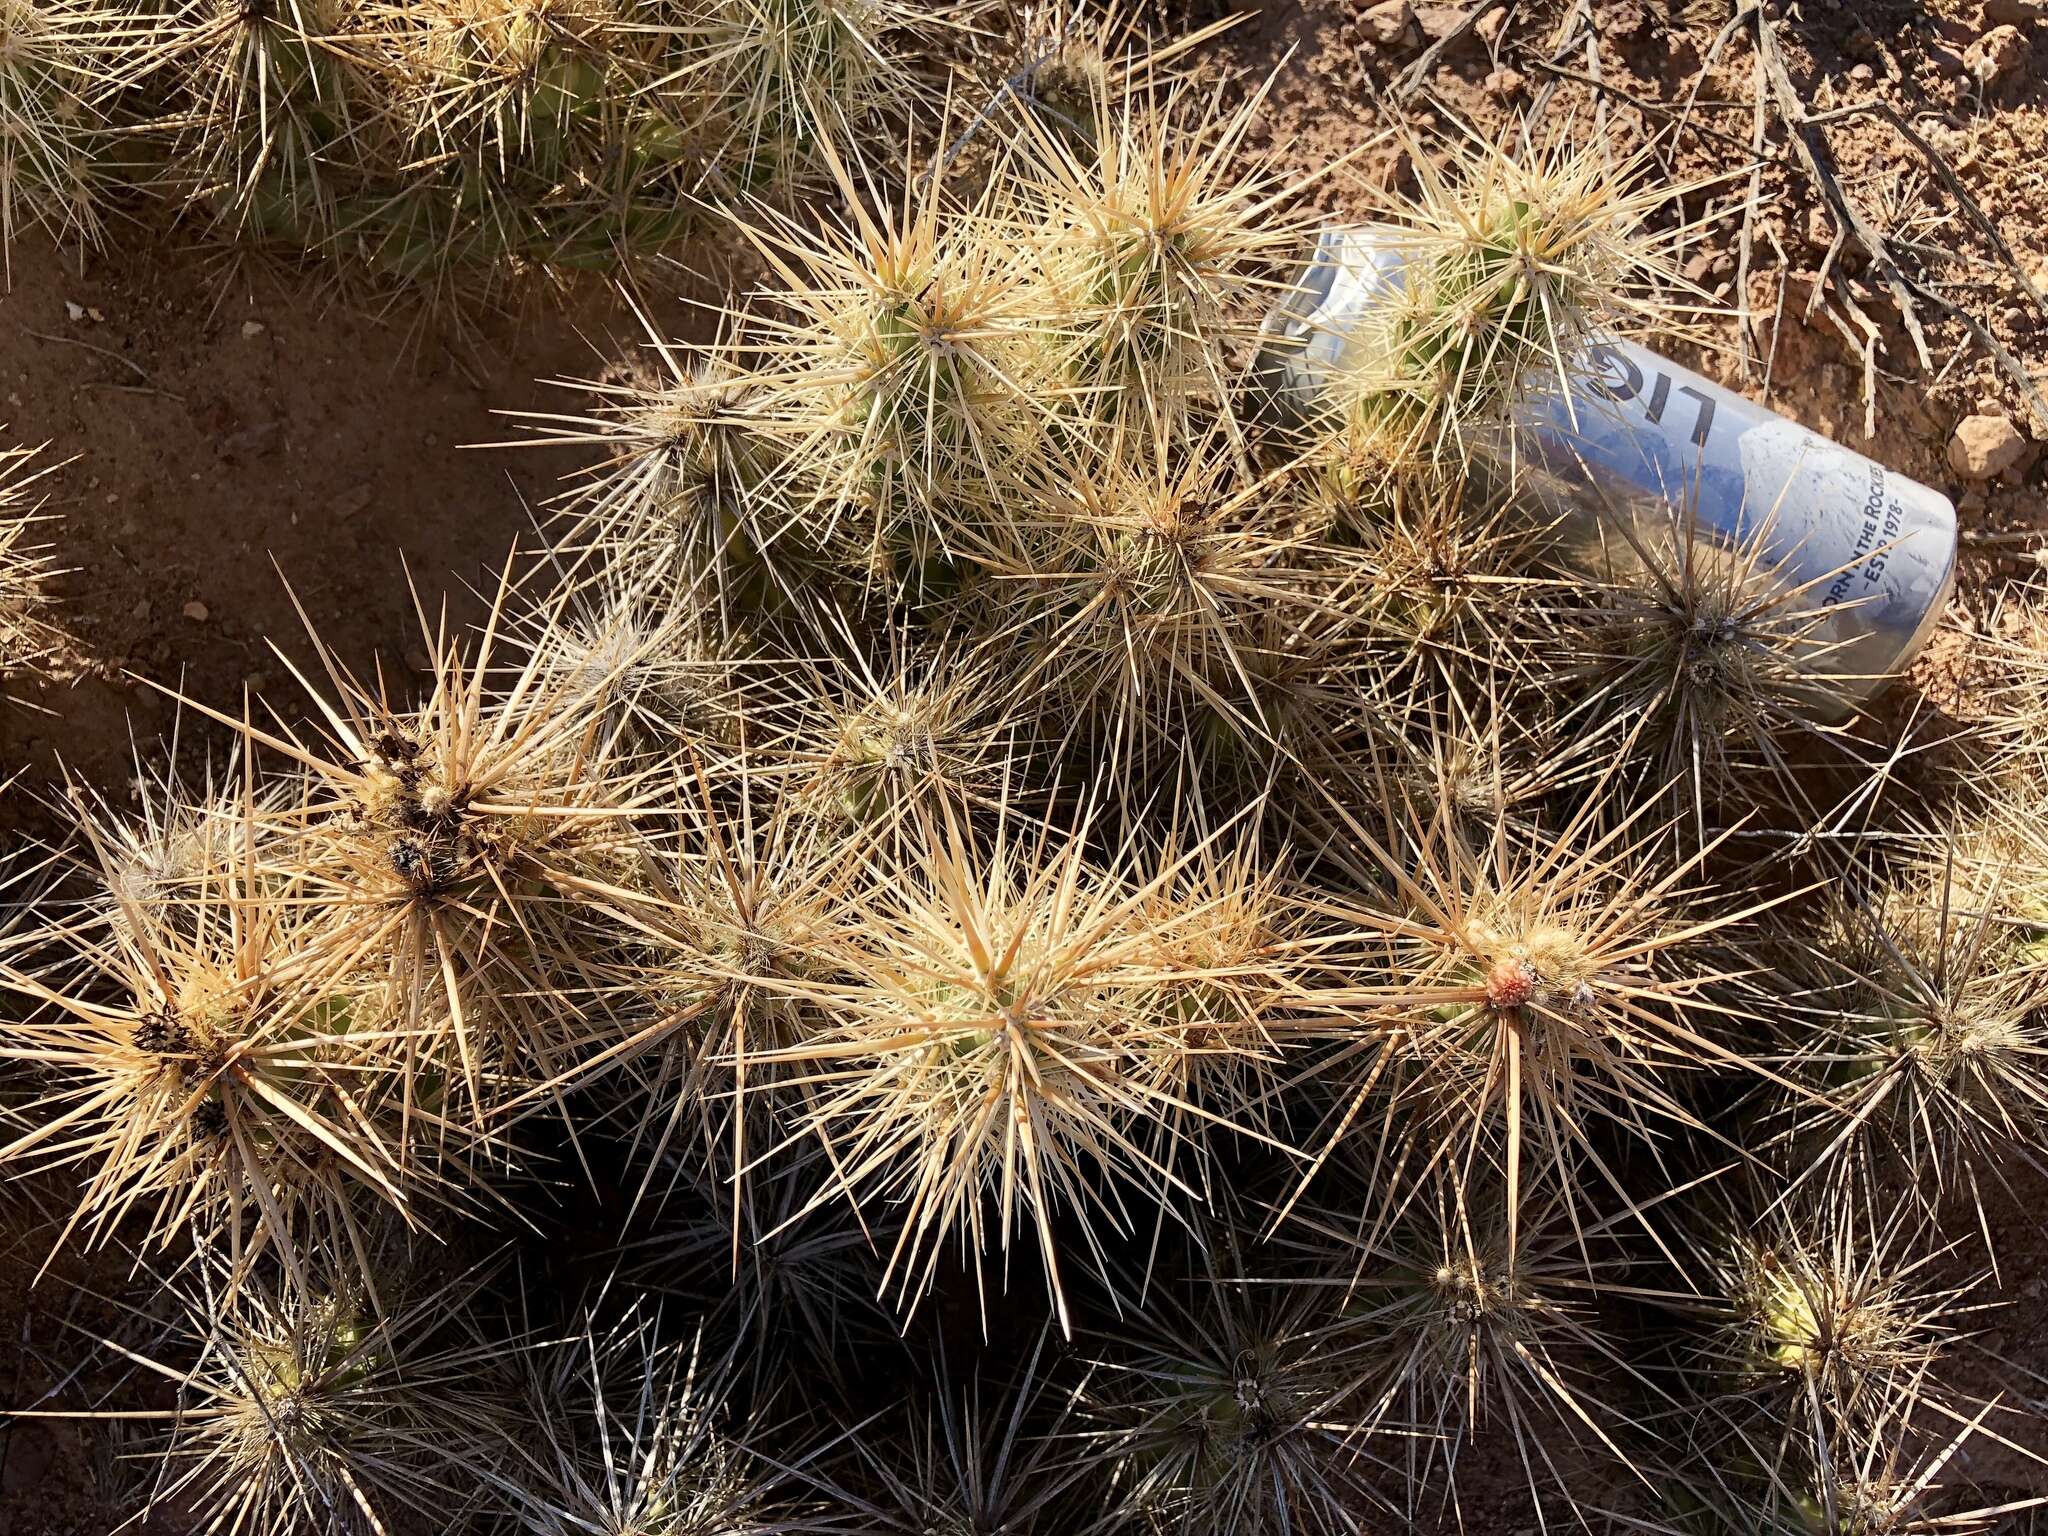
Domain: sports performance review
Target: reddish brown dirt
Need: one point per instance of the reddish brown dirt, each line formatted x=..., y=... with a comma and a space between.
x=229, y=448
x=222, y=435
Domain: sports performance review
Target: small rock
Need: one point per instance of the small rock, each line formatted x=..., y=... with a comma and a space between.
x=1505, y=82
x=73, y=311
x=417, y=660
x=256, y=682
x=1863, y=74
x=1946, y=60
x=1390, y=23
x=250, y=439
x=197, y=611
x=1820, y=229
x=1985, y=446
x=1997, y=56
x=349, y=503
x=140, y=611
x=2013, y=13
x=251, y=329
x=1439, y=19
x=1625, y=18
x=1707, y=267
x=1489, y=27
x=28, y=1463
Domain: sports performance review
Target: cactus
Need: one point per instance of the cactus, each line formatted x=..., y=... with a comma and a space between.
x=1515, y=992
x=529, y=140
x=25, y=632
x=458, y=850
x=262, y=118
x=882, y=744
x=2011, y=658
x=964, y=1462
x=908, y=371
x=1000, y=1028
x=682, y=505
x=650, y=667
x=1456, y=1334
x=1511, y=264
x=1229, y=1416
x=1068, y=63
x=1705, y=665
x=736, y=927
x=315, y=1412
x=52, y=136
x=634, y=1434
x=215, y=1067
x=791, y=79
x=777, y=1283
x=1918, y=1048
x=1825, y=1351
x=1153, y=578
x=1447, y=610
x=965, y=778
x=1154, y=235
x=465, y=148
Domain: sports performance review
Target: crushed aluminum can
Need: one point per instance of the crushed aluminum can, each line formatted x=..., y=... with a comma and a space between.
x=1636, y=434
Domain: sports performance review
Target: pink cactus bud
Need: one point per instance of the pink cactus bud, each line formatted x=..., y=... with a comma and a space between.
x=1511, y=982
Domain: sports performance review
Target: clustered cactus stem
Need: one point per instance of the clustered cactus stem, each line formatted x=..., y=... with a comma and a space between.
x=460, y=148
x=26, y=635
x=54, y=144
x=1015, y=937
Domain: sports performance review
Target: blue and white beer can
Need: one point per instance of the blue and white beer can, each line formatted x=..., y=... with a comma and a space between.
x=1634, y=434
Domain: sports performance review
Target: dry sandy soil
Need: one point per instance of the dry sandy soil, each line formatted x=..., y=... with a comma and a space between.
x=228, y=435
